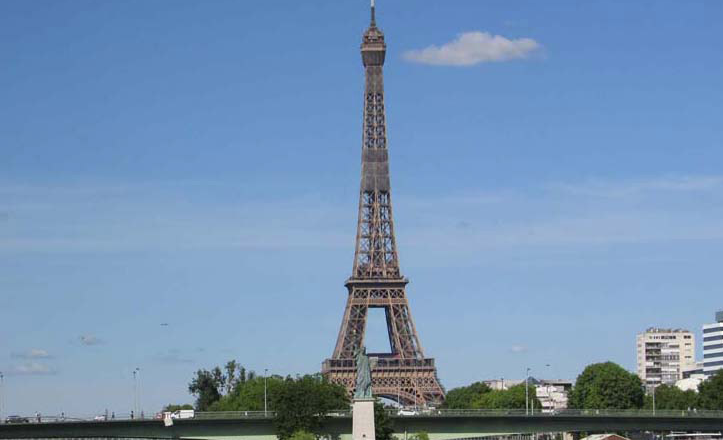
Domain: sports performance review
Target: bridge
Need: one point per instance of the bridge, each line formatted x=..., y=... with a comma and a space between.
x=439, y=424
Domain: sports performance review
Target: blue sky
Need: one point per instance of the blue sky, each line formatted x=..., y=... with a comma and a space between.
x=555, y=168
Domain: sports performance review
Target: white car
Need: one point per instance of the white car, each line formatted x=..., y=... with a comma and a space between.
x=100, y=418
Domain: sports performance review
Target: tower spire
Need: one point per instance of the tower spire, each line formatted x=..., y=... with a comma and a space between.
x=374, y=15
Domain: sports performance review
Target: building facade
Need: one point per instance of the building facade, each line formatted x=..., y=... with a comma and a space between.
x=663, y=355
x=552, y=394
x=713, y=346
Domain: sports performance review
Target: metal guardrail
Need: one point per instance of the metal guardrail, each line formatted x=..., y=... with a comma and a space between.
x=215, y=415
x=487, y=413
x=558, y=413
x=479, y=413
x=412, y=413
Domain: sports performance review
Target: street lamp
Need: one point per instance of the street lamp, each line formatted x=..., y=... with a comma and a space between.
x=654, y=387
x=266, y=373
x=1, y=395
x=527, y=392
x=136, y=402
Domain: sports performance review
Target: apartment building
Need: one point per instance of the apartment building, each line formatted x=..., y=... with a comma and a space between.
x=663, y=355
x=713, y=346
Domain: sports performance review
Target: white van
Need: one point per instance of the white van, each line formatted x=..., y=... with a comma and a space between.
x=182, y=414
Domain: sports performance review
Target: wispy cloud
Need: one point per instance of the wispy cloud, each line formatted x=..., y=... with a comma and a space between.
x=581, y=214
x=34, y=353
x=584, y=213
x=30, y=369
x=89, y=340
x=518, y=349
x=602, y=188
x=162, y=216
x=173, y=356
x=472, y=48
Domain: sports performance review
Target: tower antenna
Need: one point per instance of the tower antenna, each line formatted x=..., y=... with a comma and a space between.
x=374, y=21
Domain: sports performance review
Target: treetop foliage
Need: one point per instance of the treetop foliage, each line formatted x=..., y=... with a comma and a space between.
x=672, y=397
x=480, y=396
x=302, y=435
x=606, y=386
x=383, y=424
x=301, y=403
x=710, y=392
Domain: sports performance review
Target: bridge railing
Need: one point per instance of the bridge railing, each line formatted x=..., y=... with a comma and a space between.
x=230, y=415
x=557, y=413
x=214, y=415
x=484, y=413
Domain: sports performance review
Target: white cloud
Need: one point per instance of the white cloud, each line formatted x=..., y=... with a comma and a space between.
x=34, y=353
x=90, y=340
x=518, y=349
x=31, y=369
x=473, y=48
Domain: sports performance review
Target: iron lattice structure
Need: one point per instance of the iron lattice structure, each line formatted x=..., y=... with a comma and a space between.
x=404, y=375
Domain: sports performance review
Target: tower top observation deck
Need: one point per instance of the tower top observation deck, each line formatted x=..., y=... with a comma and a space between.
x=373, y=47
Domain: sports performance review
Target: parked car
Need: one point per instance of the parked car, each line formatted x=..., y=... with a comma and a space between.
x=100, y=418
x=182, y=414
x=16, y=419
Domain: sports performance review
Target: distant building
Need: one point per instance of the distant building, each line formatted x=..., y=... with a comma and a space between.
x=693, y=371
x=552, y=394
x=505, y=384
x=663, y=355
x=690, y=383
x=713, y=346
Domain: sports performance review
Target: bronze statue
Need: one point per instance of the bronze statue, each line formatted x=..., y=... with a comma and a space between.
x=363, y=375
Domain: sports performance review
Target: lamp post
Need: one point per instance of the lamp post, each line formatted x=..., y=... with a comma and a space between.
x=136, y=403
x=1, y=395
x=654, y=387
x=527, y=392
x=266, y=373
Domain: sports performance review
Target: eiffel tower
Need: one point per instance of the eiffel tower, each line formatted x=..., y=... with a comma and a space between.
x=404, y=375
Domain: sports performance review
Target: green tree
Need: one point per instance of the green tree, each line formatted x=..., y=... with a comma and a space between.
x=230, y=379
x=248, y=395
x=710, y=392
x=672, y=397
x=206, y=386
x=514, y=397
x=421, y=435
x=464, y=397
x=213, y=386
x=606, y=386
x=303, y=404
x=383, y=424
x=302, y=435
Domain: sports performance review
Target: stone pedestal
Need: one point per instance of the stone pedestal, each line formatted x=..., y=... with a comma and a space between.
x=363, y=419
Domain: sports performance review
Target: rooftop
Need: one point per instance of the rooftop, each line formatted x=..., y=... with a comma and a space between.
x=666, y=330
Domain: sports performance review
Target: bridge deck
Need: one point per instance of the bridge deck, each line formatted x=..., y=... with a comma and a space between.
x=440, y=425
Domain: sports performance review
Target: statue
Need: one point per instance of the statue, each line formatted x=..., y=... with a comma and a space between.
x=363, y=375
